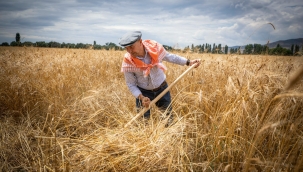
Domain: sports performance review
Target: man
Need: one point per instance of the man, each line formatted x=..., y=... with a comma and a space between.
x=144, y=72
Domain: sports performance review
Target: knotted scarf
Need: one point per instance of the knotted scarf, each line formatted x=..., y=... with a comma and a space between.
x=156, y=52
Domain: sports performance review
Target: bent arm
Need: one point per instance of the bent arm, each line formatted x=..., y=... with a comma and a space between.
x=131, y=82
x=173, y=58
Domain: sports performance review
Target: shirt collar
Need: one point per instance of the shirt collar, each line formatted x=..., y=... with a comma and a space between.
x=141, y=58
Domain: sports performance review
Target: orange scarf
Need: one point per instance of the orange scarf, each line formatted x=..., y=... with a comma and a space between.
x=156, y=52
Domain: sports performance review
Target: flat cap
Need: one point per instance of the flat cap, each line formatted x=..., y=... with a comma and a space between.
x=130, y=38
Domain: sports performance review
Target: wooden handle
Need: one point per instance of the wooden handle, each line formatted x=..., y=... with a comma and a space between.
x=145, y=109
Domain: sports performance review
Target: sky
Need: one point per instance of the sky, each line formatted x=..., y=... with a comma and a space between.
x=176, y=23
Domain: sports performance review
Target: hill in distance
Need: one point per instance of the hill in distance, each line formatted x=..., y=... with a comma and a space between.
x=287, y=43
x=283, y=43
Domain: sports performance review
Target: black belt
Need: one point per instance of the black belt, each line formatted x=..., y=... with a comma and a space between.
x=157, y=89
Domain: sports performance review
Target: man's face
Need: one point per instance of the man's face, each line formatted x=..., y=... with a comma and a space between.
x=134, y=49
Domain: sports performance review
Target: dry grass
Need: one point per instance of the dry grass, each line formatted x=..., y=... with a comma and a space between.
x=65, y=110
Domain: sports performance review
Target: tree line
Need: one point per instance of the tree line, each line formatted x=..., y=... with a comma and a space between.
x=255, y=49
x=54, y=44
x=265, y=50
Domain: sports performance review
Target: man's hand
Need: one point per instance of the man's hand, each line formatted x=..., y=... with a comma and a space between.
x=145, y=100
x=198, y=61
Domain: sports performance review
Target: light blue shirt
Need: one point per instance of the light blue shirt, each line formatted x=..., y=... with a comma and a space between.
x=155, y=78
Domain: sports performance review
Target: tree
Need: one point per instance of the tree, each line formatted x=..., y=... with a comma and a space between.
x=63, y=45
x=27, y=44
x=192, y=48
x=198, y=48
x=292, y=48
x=248, y=49
x=79, y=45
x=18, y=38
x=297, y=48
x=239, y=50
x=280, y=51
x=231, y=51
x=257, y=49
x=209, y=48
x=110, y=45
x=226, y=49
x=220, y=48
x=214, y=48
x=186, y=49
x=265, y=50
x=41, y=44
x=4, y=44
x=54, y=44
x=14, y=43
x=168, y=48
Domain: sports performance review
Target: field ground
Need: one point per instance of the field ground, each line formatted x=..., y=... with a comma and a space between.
x=65, y=110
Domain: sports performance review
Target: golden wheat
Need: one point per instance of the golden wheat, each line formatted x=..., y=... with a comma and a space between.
x=65, y=110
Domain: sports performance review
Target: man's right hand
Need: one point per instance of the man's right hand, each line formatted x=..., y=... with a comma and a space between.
x=145, y=100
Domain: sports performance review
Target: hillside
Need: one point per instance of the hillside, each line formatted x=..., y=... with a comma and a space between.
x=283, y=43
x=287, y=43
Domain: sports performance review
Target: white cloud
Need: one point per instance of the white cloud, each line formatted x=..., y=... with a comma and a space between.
x=294, y=28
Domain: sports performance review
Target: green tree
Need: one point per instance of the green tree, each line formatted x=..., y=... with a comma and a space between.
x=18, y=38
x=41, y=44
x=278, y=46
x=4, y=44
x=239, y=50
x=214, y=48
x=220, y=48
x=27, y=43
x=167, y=47
x=186, y=49
x=202, y=48
x=110, y=45
x=258, y=49
x=192, y=48
x=280, y=51
x=209, y=48
x=206, y=48
x=248, y=49
x=80, y=45
x=97, y=47
x=63, y=45
x=226, y=49
x=264, y=50
x=13, y=43
x=197, y=49
x=54, y=44
x=231, y=51
x=94, y=47
x=297, y=48
x=71, y=45
x=292, y=48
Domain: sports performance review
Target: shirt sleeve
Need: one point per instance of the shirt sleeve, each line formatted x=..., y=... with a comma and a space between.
x=173, y=58
x=131, y=83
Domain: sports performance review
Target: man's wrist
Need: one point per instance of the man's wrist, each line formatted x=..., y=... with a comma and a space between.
x=140, y=97
x=187, y=62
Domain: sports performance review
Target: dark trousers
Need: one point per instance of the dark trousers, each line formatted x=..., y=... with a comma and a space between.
x=163, y=103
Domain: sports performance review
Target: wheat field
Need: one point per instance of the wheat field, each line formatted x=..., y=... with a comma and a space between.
x=65, y=110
